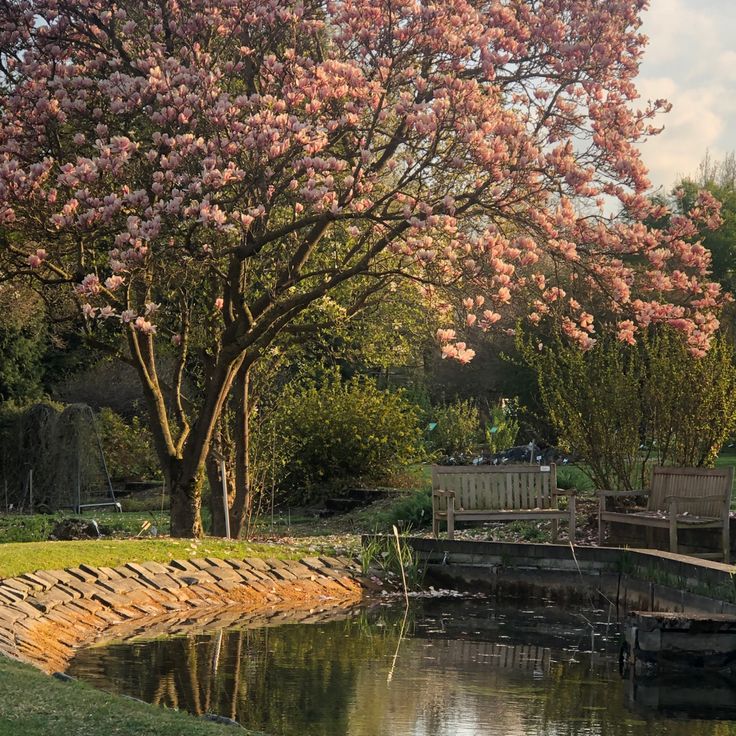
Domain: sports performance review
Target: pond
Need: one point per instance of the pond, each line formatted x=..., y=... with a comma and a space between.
x=445, y=667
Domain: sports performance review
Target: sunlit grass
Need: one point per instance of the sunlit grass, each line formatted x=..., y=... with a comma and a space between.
x=19, y=557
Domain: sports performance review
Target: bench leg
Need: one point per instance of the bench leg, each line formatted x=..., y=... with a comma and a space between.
x=435, y=526
x=727, y=541
x=554, y=531
x=673, y=530
x=571, y=509
x=600, y=526
x=451, y=518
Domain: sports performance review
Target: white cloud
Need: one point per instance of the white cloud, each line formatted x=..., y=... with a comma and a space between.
x=693, y=125
x=691, y=62
x=674, y=28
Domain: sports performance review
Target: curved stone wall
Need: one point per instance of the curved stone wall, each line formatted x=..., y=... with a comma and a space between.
x=47, y=615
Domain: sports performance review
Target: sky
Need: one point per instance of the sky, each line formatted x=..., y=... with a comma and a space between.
x=690, y=61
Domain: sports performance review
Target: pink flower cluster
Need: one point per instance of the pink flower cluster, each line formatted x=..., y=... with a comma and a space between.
x=456, y=143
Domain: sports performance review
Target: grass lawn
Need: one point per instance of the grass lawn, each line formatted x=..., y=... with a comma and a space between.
x=34, y=704
x=19, y=557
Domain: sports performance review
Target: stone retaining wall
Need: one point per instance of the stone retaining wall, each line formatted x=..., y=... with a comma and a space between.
x=642, y=579
x=46, y=616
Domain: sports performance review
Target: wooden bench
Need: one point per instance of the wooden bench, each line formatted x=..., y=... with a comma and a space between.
x=679, y=498
x=498, y=493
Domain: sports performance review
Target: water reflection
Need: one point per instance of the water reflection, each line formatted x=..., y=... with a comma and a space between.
x=462, y=668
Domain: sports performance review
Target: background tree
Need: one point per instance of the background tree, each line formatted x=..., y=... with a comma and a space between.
x=719, y=178
x=216, y=167
x=623, y=407
x=22, y=344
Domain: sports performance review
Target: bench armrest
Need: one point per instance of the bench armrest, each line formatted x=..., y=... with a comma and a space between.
x=564, y=492
x=444, y=494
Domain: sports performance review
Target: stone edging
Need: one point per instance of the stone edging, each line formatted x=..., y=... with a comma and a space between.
x=47, y=615
x=679, y=582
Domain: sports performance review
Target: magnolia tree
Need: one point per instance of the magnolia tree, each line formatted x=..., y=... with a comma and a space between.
x=213, y=168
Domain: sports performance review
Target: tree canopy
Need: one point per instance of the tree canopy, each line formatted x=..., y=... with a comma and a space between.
x=197, y=175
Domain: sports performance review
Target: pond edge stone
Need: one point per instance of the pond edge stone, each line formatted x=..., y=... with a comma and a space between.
x=47, y=615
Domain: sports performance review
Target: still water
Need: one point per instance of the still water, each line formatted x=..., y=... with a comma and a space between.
x=444, y=668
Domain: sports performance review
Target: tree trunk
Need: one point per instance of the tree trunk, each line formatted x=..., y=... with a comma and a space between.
x=185, y=491
x=242, y=503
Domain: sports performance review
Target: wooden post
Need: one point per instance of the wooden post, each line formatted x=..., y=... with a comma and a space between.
x=571, y=509
x=726, y=537
x=451, y=518
x=225, y=508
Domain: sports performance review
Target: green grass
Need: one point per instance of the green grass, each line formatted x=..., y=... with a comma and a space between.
x=34, y=704
x=19, y=557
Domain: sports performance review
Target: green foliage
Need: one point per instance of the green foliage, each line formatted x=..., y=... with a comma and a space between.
x=689, y=403
x=410, y=511
x=21, y=369
x=387, y=554
x=40, y=527
x=128, y=447
x=502, y=429
x=623, y=407
x=458, y=429
x=571, y=477
x=337, y=433
x=22, y=345
x=26, y=527
x=592, y=400
x=719, y=178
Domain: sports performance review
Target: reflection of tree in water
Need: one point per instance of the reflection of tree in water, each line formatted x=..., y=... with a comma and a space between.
x=294, y=679
x=331, y=679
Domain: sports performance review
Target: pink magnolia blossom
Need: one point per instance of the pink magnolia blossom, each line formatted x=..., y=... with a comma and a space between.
x=466, y=146
x=107, y=311
x=444, y=335
x=143, y=325
x=90, y=285
x=34, y=260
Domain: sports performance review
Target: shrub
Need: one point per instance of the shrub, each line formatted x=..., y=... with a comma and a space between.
x=502, y=429
x=457, y=430
x=625, y=407
x=128, y=447
x=341, y=433
x=410, y=511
